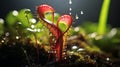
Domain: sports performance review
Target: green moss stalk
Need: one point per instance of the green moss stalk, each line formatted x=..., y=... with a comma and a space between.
x=103, y=17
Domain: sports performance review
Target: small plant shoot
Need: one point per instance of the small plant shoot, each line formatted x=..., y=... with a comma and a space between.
x=54, y=29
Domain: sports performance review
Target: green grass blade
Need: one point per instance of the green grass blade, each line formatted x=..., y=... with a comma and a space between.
x=103, y=17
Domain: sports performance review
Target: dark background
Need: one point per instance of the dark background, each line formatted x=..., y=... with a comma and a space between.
x=91, y=8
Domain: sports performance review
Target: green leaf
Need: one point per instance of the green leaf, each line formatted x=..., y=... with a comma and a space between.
x=24, y=16
x=89, y=27
x=39, y=25
x=1, y=28
x=11, y=19
x=102, y=26
x=49, y=17
x=62, y=26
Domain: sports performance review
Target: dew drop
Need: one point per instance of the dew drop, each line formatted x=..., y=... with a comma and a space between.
x=81, y=12
x=38, y=30
x=32, y=26
x=7, y=34
x=70, y=13
x=19, y=22
x=2, y=41
x=76, y=16
x=76, y=29
x=107, y=59
x=17, y=37
x=15, y=13
x=70, y=1
x=35, y=30
x=74, y=47
x=93, y=35
x=32, y=20
x=1, y=21
x=80, y=49
x=4, y=38
x=27, y=11
x=50, y=34
x=65, y=58
x=70, y=9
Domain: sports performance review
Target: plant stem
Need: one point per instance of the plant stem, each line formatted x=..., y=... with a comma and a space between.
x=27, y=58
x=103, y=17
x=37, y=46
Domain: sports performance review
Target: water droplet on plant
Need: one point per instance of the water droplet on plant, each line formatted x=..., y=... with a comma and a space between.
x=81, y=12
x=19, y=22
x=76, y=29
x=2, y=41
x=70, y=1
x=4, y=38
x=55, y=51
x=99, y=37
x=93, y=35
x=29, y=29
x=107, y=59
x=50, y=34
x=38, y=30
x=15, y=13
x=7, y=34
x=112, y=32
x=74, y=47
x=35, y=30
x=70, y=9
x=71, y=53
x=65, y=58
x=32, y=26
x=27, y=11
x=70, y=13
x=64, y=53
x=80, y=49
x=1, y=21
x=76, y=17
x=32, y=20
x=17, y=37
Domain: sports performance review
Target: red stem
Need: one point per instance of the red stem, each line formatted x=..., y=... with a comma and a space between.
x=54, y=29
x=57, y=33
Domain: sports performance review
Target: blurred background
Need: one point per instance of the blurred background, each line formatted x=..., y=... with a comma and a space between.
x=86, y=10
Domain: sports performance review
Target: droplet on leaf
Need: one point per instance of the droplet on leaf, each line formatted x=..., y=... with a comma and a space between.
x=17, y=37
x=76, y=29
x=107, y=59
x=27, y=11
x=1, y=21
x=2, y=41
x=76, y=17
x=80, y=49
x=74, y=47
x=7, y=34
x=38, y=30
x=19, y=22
x=15, y=13
x=32, y=26
x=32, y=20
